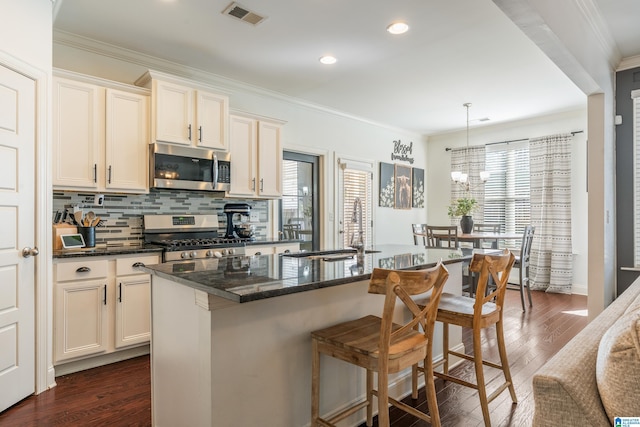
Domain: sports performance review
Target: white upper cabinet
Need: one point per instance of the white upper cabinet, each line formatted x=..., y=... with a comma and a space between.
x=78, y=133
x=127, y=137
x=100, y=136
x=183, y=112
x=256, y=157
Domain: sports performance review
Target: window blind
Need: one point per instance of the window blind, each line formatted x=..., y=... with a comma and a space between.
x=507, y=194
x=357, y=184
x=636, y=173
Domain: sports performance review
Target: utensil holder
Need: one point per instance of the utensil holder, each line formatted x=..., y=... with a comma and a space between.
x=89, y=236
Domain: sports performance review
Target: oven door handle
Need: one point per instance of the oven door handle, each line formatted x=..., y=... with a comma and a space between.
x=215, y=170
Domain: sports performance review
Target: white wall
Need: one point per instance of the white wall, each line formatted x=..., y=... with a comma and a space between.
x=438, y=172
x=316, y=130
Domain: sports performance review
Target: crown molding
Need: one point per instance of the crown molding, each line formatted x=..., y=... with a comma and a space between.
x=600, y=30
x=216, y=81
x=629, y=63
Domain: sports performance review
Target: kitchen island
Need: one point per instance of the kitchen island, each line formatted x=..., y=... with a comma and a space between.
x=231, y=336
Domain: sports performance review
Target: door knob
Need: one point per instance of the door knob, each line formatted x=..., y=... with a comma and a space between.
x=27, y=252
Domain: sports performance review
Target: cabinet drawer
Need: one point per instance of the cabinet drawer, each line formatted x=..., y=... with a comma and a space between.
x=126, y=266
x=81, y=269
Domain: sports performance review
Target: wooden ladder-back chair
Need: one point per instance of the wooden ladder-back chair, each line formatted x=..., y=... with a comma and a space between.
x=522, y=264
x=488, y=228
x=419, y=233
x=442, y=236
x=383, y=347
x=477, y=313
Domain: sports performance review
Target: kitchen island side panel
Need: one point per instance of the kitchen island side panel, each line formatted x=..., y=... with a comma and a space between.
x=250, y=364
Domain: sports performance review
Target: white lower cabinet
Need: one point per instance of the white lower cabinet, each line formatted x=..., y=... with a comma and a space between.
x=101, y=305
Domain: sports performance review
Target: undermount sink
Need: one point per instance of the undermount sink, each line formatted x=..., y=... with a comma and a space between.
x=326, y=254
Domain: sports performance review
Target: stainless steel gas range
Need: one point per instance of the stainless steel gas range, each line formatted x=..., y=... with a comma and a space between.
x=187, y=237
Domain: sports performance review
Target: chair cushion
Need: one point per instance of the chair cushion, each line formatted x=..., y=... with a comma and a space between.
x=462, y=304
x=618, y=367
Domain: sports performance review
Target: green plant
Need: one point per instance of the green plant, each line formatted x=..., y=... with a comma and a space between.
x=462, y=207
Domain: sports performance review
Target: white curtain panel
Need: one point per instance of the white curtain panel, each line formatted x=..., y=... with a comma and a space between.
x=551, y=252
x=472, y=161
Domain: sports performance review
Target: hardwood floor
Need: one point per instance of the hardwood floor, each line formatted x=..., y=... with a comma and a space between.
x=119, y=394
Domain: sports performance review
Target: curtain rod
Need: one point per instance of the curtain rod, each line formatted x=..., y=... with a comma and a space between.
x=515, y=140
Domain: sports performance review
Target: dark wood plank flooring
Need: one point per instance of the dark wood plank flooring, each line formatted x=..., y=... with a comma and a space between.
x=119, y=394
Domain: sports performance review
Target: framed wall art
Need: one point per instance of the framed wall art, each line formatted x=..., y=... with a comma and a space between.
x=417, y=188
x=402, y=187
x=386, y=195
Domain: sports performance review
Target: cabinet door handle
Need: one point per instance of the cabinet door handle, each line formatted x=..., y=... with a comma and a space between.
x=95, y=172
x=200, y=133
x=137, y=264
x=105, y=294
x=109, y=177
x=83, y=270
x=261, y=184
x=253, y=184
x=119, y=292
x=287, y=251
x=258, y=253
x=189, y=133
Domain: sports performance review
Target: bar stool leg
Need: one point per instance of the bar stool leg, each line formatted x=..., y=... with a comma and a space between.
x=503, y=360
x=414, y=382
x=315, y=383
x=430, y=391
x=445, y=347
x=482, y=391
x=383, y=398
x=369, y=398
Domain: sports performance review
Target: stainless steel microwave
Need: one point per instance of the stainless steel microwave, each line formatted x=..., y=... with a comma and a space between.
x=187, y=168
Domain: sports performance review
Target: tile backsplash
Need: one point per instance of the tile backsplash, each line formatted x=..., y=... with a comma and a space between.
x=122, y=213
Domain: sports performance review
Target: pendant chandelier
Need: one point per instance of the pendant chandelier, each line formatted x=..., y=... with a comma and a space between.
x=462, y=178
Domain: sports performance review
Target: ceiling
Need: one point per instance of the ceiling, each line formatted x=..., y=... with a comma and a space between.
x=455, y=52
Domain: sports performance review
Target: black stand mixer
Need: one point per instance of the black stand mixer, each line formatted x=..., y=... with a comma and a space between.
x=231, y=209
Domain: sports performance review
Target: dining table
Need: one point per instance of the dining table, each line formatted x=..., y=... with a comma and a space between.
x=477, y=237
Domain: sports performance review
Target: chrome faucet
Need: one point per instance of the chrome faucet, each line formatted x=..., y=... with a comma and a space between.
x=356, y=217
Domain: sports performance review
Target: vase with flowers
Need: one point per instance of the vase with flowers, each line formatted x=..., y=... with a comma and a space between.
x=463, y=208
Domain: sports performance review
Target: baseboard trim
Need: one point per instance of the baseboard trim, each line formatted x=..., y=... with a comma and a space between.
x=101, y=360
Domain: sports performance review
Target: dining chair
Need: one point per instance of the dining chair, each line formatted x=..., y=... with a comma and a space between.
x=419, y=233
x=442, y=236
x=488, y=228
x=523, y=259
x=476, y=314
x=381, y=346
x=291, y=231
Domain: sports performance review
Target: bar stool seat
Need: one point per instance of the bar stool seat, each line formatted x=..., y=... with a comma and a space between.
x=381, y=346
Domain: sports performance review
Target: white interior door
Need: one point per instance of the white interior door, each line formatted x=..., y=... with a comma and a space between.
x=17, y=237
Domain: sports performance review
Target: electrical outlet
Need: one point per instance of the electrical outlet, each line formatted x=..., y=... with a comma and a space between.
x=98, y=199
x=254, y=217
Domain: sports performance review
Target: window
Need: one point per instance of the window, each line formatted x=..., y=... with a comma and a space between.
x=300, y=200
x=636, y=148
x=506, y=193
x=356, y=182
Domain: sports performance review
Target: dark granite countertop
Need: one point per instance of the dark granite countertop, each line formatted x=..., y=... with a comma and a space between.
x=138, y=247
x=111, y=249
x=243, y=279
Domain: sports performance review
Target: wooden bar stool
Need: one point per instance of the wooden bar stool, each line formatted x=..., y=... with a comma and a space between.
x=379, y=345
x=477, y=313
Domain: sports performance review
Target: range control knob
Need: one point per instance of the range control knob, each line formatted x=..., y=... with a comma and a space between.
x=209, y=253
x=184, y=255
x=231, y=251
x=193, y=254
x=224, y=251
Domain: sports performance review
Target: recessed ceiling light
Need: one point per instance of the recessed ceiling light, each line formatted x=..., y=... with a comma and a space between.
x=398, y=28
x=328, y=60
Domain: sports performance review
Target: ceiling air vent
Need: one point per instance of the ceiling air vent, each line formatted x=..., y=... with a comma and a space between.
x=240, y=12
